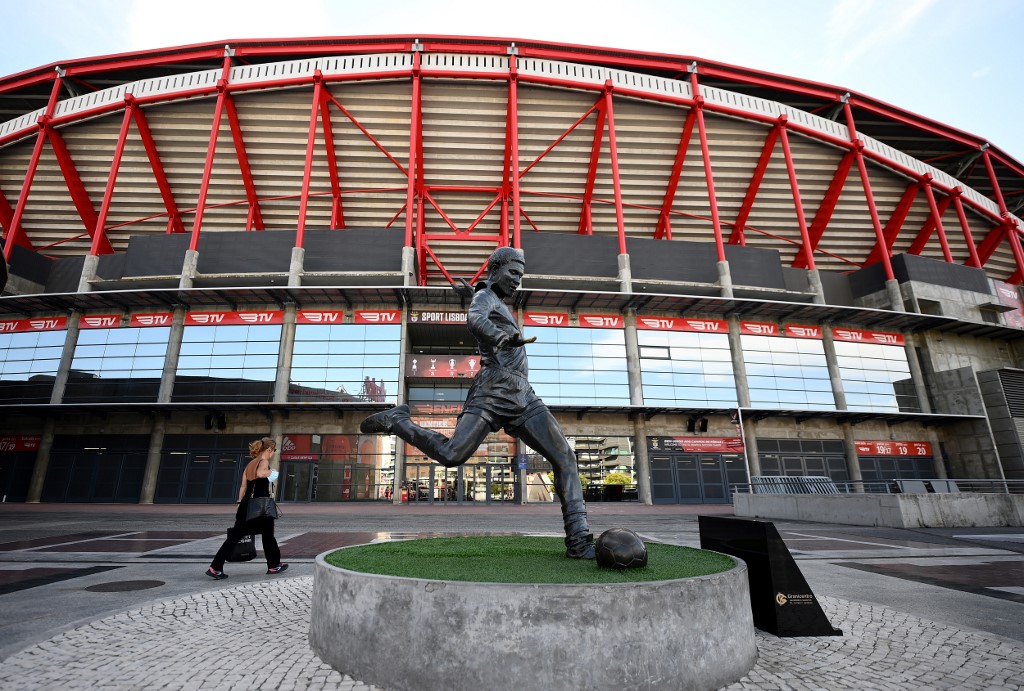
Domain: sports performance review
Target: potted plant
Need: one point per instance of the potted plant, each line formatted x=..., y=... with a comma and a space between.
x=614, y=483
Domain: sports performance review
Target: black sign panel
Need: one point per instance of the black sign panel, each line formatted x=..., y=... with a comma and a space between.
x=780, y=598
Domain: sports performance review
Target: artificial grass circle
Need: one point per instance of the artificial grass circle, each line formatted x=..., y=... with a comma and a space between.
x=518, y=559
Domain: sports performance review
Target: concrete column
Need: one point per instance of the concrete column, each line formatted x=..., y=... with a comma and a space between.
x=156, y=444
x=850, y=451
x=739, y=367
x=814, y=283
x=940, y=466
x=724, y=279
x=895, y=296
x=89, y=266
x=35, y=485
x=171, y=358
x=831, y=361
x=60, y=380
x=641, y=461
x=409, y=266
x=916, y=373
x=284, y=356
x=750, y=447
x=296, y=267
x=625, y=274
x=403, y=353
x=189, y=269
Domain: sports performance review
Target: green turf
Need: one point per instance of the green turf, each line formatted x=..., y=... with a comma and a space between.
x=518, y=559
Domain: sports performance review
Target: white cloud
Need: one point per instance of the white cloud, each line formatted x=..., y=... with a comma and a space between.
x=982, y=72
x=857, y=28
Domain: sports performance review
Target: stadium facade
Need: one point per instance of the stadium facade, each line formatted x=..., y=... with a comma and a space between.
x=730, y=273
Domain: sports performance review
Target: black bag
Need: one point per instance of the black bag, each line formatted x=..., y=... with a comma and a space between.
x=245, y=549
x=260, y=507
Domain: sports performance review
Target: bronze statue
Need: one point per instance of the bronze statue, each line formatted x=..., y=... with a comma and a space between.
x=501, y=396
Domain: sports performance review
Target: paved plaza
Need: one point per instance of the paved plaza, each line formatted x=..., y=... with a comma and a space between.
x=113, y=597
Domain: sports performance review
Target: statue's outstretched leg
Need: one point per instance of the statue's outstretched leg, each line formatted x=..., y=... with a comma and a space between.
x=543, y=434
x=469, y=433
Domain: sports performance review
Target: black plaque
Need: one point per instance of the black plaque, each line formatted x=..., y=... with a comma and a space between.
x=780, y=598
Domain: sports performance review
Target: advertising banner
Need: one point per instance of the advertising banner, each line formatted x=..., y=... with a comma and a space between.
x=697, y=444
x=893, y=448
x=444, y=366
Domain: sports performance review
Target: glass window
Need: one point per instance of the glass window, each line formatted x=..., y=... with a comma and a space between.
x=570, y=366
x=345, y=362
x=29, y=364
x=700, y=367
x=117, y=365
x=227, y=363
x=787, y=373
x=876, y=377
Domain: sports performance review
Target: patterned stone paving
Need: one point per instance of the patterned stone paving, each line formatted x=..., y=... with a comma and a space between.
x=255, y=636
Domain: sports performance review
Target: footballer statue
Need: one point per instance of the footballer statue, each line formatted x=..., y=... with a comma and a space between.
x=501, y=397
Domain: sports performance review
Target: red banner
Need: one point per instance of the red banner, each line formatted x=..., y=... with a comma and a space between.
x=545, y=319
x=893, y=448
x=233, y=318
x=602, y=321
x=378, y=317
x=20, y=442
x=759, y=329
x=319, y=317
x=858, y=336
x=436, y=317
x=803, y=331
x=697, y=444
x=100, y=321
x=143, y=320
x=37, y=324
x=682, y=324
x=433, y=366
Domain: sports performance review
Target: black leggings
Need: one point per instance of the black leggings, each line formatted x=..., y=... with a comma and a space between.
x=263, y=526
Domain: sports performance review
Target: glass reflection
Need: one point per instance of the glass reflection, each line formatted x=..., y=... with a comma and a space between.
x=686, y=369
x=227, y=363
x=345, y=362
x=29, y=364
x=876, y=377
x=787, y=373
x=122, y=364
x=571, y=366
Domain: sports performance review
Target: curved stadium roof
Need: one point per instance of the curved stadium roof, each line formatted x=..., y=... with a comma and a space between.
x=323, y=133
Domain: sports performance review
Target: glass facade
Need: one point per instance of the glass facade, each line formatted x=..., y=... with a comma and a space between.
x=117, y=365
x=227, y=363
x=344, y=362
x=571, y=366
x=787, y=373
x=28, y=365
x=876, y=378
x=686, y=369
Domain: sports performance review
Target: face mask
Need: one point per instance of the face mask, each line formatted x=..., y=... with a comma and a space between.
x=273, y=476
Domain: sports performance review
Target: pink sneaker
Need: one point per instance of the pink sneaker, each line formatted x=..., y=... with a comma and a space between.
x=277, y=569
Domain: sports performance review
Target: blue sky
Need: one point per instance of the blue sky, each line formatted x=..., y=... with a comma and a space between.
x=956, y=62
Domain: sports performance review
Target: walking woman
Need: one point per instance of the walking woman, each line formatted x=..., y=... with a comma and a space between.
x=255, y=483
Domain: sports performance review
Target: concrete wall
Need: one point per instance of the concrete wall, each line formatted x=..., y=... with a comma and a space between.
x=965, y=510
x=417, y=634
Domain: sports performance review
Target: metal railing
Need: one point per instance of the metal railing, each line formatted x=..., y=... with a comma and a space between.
x=805, y=484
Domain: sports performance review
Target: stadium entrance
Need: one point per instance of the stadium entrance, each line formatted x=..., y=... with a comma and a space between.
x=695, y=470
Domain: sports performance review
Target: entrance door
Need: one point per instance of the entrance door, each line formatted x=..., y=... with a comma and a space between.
x=693, y=478
x=297, y=480
x=207, y=477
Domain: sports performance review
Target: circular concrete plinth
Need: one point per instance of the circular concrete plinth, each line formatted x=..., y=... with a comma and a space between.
x=410, y=633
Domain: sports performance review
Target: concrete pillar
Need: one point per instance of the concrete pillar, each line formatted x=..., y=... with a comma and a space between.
x=284, y=356
x=35, y=485
x=67, y=355
x=750, y=447
x=895, y=296
x=171, y=358
x=641, y=461
x=189, y=269
x=832, y=362
x=403, y=353
x=724, y=279
x=814, y=283
x=940, y=466
x=916, y=373
x=88, y=272
x=296, y=267
x=739, y=366
x=852, y=461
x=277, y=433
x=409, y=267
x=156, y=444
x=625, y=274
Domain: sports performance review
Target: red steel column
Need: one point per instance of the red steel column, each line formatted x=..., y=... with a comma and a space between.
x=613, y=153
x=933, y=208
x=858, y=150
x=1011, y=225
x=16, y=234
x=307, y=170
x=716, y=222
x=972, y=246
x=115, y=165
x=801, y=220
x=174, y=224
x=513, y=136
x=414, y=162
x=211, y=151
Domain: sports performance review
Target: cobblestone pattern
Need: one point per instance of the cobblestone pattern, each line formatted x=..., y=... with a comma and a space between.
x=255, y=636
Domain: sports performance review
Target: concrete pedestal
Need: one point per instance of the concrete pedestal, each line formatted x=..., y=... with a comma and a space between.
x=408, y=633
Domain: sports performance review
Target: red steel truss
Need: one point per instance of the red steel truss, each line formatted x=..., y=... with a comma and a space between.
x=423, y=199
